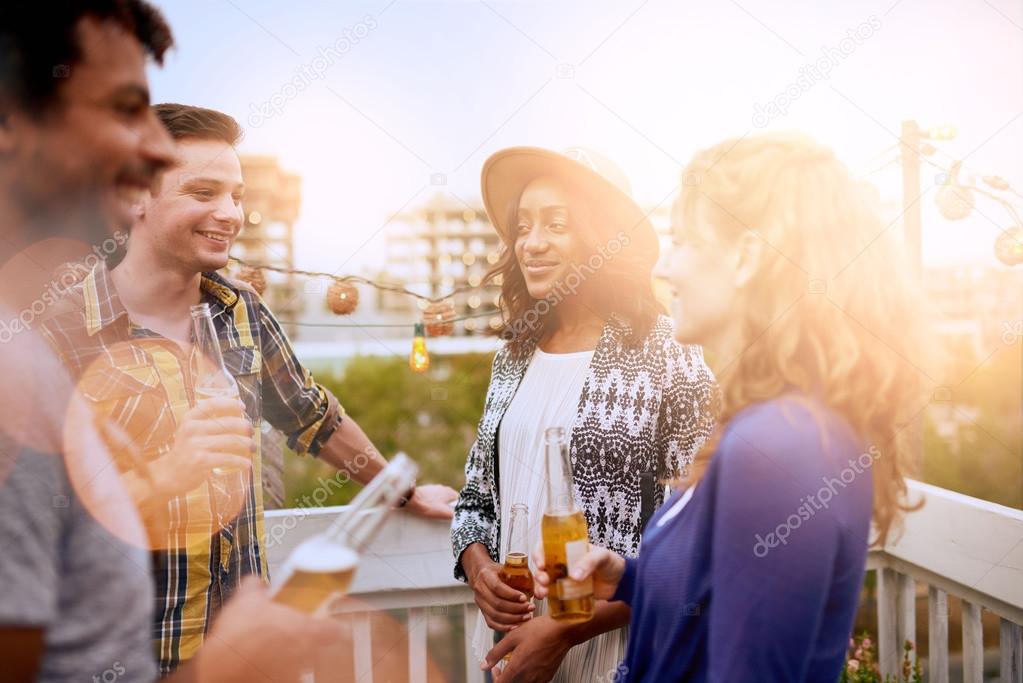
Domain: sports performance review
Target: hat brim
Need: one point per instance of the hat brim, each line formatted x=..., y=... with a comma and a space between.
x=507, y=173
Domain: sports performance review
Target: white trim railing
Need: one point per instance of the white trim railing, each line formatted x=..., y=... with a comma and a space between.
x=955, y=545
x=408, y=566
x=958, y=546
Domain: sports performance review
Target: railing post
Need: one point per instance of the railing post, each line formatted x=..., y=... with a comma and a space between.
x=362, y=635
x=973, y=644
x=887, y=635
x=937, y=635
x=906, y=627
x=472, y=666
x=418, y=621
x=1012, y=652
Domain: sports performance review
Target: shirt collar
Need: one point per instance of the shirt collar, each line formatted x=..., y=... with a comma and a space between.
x=103, y=305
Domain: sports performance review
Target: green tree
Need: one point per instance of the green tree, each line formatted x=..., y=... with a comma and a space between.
x=432, y=417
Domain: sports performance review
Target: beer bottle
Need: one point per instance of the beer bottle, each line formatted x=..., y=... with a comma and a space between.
x=212, y=380
x=565, y=536
x=230, y=486
x=515, y=571
x=322, y=567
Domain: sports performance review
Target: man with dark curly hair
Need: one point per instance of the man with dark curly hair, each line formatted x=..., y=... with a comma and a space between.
x=79, y=145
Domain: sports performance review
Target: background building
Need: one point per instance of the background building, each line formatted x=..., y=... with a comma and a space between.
x=272, y=200
x=442, y=246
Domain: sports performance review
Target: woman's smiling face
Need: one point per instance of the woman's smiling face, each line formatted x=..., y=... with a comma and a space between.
x=548, y=236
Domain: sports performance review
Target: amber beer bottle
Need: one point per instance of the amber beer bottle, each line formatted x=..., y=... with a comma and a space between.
x=515, y=571
x=322, y=567
x=565, y=537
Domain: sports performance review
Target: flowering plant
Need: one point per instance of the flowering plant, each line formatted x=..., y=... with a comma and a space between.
x=861, y=664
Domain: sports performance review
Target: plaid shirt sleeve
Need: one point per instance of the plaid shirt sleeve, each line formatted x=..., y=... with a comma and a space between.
x=292, y=402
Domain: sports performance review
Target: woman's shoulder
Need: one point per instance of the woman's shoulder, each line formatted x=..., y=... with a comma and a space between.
x=673, y=358
x=660, y=341
x=793, y=431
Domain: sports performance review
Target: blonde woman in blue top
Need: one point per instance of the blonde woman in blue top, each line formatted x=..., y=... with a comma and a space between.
x=753, y=572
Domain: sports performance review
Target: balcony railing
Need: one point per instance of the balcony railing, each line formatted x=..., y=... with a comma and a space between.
x=955, y=546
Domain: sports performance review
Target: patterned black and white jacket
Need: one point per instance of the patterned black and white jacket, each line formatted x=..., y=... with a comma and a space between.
x=644, y=408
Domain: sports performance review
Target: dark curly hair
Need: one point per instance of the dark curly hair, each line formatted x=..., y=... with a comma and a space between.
x=39, y=43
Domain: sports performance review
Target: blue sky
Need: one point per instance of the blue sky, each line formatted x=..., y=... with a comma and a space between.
x=415, y=88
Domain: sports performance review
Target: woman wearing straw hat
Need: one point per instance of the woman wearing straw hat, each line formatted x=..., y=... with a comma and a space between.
x=587, y=350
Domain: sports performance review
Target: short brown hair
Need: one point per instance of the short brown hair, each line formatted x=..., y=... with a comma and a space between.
x=185, y=122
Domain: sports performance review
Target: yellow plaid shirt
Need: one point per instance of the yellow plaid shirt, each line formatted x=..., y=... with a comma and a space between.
x=143, y=382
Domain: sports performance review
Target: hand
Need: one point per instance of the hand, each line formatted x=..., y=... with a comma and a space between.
x=432, y=501
x=245, y=642
x=536, y=648
x=503, y=607
x=606, y=568
x=215, y=434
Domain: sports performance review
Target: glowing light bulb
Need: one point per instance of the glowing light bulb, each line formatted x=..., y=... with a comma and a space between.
x=419, y=359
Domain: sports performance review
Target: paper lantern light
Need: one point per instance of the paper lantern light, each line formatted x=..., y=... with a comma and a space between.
x=254, y=277
x=439, y=318
x=342, y=297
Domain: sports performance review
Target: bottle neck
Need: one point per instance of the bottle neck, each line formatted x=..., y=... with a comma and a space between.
x=211, y=375
x=560, y=490
x=518, y=524
x=370, y=508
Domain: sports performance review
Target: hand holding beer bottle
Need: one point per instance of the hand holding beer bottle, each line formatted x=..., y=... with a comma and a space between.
x=515, y=571
x=604, y=567
x=565, y=536
x=322, y=567
x=216, y=392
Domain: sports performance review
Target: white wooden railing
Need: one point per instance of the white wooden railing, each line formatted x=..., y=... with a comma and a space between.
x=408, y=566
x=958, y=546
x=955, y=545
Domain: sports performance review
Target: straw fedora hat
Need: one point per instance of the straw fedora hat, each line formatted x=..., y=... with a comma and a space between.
x=507, y=173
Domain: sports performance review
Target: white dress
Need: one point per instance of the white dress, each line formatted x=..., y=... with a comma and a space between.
x=548, y=396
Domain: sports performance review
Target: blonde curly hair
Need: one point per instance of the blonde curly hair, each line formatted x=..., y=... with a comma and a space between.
x=833, y=310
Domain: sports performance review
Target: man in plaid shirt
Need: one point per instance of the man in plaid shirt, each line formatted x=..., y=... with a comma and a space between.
x=126, y=334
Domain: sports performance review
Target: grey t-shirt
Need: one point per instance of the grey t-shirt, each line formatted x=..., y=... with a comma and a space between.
x=62, y=570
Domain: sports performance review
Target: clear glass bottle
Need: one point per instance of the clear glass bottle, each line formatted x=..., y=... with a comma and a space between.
x=322, y=567
x=565, y=535
x=211, y=379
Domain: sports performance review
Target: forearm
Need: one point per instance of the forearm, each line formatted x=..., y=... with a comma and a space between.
x=473, y=557
x=350, y=450
x=607, y=616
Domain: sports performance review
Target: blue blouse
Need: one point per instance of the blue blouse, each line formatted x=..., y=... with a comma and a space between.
x=758, y=576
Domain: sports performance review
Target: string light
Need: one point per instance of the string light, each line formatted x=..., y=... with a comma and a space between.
x=1009, y=246
x=956, y=201
x=254, y=277
x=342, y=297
x=439, y=318
x=419, y=359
